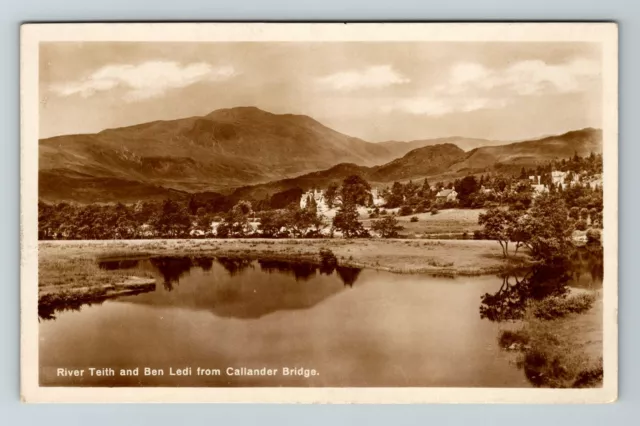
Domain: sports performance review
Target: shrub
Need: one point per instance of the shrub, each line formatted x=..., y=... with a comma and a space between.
x=581, y=225
x=405, y=211
x=434, y=210
x=508, y=338
x=413, y=219
x=327, y=257
x=383, y=212
x=558, y=307
x=478, y=235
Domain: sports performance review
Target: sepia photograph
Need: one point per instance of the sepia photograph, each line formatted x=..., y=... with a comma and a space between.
x=425, y=211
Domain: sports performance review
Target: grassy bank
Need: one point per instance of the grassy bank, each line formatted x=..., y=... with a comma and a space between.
x=563, y=352
x=445, y=222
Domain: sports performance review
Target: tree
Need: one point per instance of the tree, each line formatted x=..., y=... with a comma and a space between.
x=465, y=188
x=346, y=221
x=498, y=225
x=355, y=190
x=549, y=227
x=388, y=227
x=396, y=195
x=331, y=195
x=236, y=222
x=172, y=220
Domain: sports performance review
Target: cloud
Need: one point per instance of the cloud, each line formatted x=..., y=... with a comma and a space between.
x=437, y=106
x=143, y=81
x=370, y=78
x=471, y=86
x=523, y=78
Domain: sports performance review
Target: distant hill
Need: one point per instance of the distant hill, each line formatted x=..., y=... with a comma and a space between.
x=224, y=149
x=257, y=153
x=400, y=148
x=444, y=162
x=533, y=152
x=421, y=162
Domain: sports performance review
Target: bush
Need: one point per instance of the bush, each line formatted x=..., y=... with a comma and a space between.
x=558, y=307
x=478, y=235
x=508, y=338
x=434, y=210
x=593, y=236
x=581, y=225
x=327, y=257
x=405, y=211
x=413, y=219
x=383, y=212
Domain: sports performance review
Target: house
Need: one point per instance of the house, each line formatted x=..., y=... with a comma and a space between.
x=447, y=195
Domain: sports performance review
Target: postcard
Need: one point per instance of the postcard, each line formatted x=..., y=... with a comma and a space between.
x=319, y=212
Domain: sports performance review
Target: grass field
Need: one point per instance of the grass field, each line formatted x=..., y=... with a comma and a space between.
x=445, y=222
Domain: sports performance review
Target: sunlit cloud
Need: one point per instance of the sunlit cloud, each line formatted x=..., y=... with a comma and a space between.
x=143, y=81
x=369, y=78
x=472, y=86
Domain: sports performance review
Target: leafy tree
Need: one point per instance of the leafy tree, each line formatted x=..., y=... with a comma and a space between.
x=396, y=196
x=355, y=190
x=498, y=225
x=172, y=220
x=346, y=221
x=465, y=189
x=388, y=227
x=236, y=222
x=549, y=227
x=331, y=195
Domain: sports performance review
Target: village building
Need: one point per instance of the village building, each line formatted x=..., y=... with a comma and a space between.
x=447, y=195
x=318, y=196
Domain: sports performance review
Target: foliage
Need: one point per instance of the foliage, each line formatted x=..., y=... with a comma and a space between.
x=558, y=307
x=405, y=211
x=388, y=227
x=413, y=219
x=346, y=221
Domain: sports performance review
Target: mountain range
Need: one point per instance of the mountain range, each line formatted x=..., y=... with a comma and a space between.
x=256, y=153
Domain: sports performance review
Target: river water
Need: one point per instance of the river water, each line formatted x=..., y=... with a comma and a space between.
x=310, y=326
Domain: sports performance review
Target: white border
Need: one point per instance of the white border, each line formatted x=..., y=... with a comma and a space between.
x=33, y=34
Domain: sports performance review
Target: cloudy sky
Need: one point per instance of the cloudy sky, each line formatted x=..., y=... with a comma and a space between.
x=376, y=91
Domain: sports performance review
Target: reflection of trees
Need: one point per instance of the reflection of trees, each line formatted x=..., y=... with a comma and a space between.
x=306, y=270
x=206, y=263
x=234, y=265
x=300, y=270
x=348, y=275
x=172, y=268
x=510, y=301
x=112, y=265
x=588, y=260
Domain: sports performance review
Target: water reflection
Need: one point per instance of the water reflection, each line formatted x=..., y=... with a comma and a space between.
x=583, y=269
x=172, y=269
x=234, y=265
x=509, y=302
x=225, y=286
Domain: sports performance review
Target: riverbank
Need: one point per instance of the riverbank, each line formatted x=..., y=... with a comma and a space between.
x=565, y=352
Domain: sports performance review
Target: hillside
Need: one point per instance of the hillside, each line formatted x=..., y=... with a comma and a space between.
x=531, y=153
x=256, y=153
x=420, y=162
x=224, y=149
x=445, y=162
x=399, y=148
